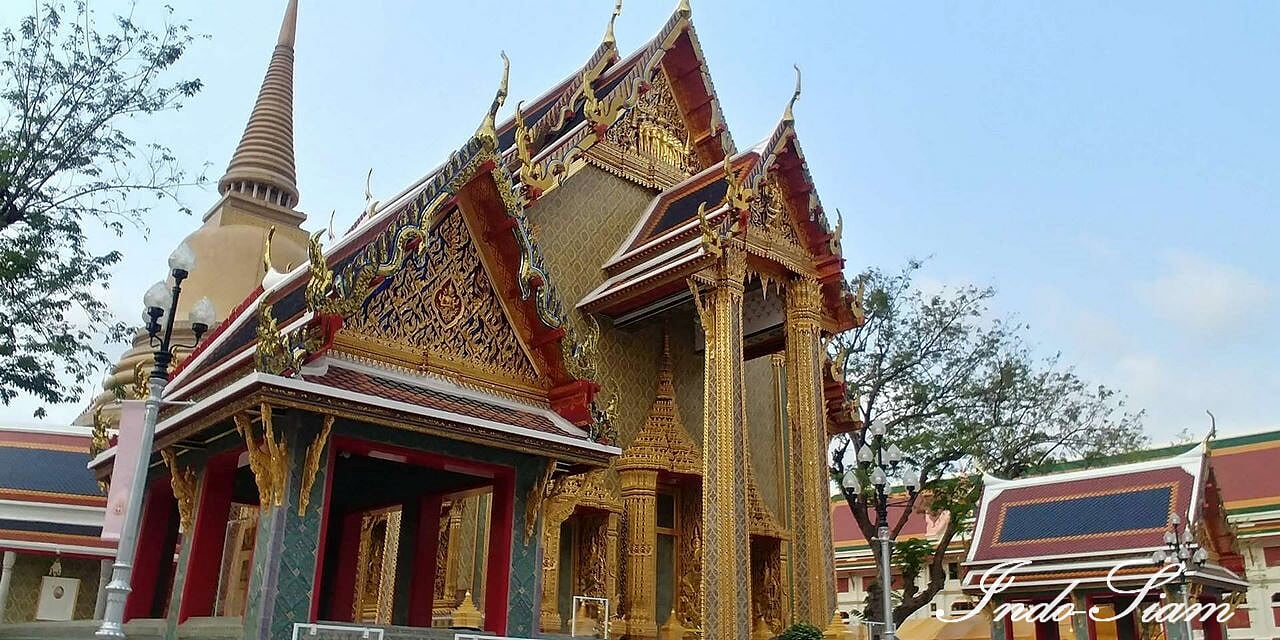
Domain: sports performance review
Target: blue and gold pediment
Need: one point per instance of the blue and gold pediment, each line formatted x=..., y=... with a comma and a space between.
x=1129, y=510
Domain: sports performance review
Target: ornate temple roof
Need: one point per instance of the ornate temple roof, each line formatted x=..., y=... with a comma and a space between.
x=669, y=241
x=49, y=501
x=1080, y=523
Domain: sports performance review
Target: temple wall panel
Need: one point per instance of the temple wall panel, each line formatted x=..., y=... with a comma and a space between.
x=687, y=366
x=24, y=588
x=579, y=226
x=767, y=461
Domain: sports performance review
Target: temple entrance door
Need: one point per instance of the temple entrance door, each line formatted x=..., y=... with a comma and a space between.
x=409, y=540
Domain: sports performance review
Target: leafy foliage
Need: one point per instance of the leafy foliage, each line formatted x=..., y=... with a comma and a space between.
x=960, y=394
x=66, y=91
x=801, y=631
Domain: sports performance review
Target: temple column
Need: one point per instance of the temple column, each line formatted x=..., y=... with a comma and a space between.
x=6, y=578
x=446, y=595
x=291, y=486
x=726, y=586
x=639, y=502
x=611, y=560
x=812, y=562
x=555, y=512
x=423, y=583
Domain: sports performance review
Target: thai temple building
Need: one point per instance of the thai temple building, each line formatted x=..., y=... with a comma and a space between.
x=1227, y=492
x=51, y=517
x=574, y=376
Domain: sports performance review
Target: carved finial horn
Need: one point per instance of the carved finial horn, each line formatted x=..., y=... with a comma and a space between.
x=608, y=32
x=489, y=128
x=684, y=9
x=331, y=216
x=266, y=250
x=368, y=185
x=788, y=115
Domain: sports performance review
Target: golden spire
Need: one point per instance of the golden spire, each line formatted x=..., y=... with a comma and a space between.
x=262, y=166
x=787, y=115
x=666, y=387
x=488, y=127
x=684, y=9
x=608, y=32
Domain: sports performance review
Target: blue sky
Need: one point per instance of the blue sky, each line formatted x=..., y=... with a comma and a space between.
x=1109, y=167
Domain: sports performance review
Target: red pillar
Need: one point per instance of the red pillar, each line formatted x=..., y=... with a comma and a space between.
x=497, y=581
x=1212, y=628
x=157, y=517
x=1046, y=630
x=422, y=589
x=208, y=536
x=344, y=584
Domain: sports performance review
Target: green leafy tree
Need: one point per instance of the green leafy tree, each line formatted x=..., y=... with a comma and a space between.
x=961, y=394
x=67, y=91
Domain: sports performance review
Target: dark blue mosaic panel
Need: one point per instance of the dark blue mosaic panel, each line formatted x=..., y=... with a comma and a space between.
x=1089, y=515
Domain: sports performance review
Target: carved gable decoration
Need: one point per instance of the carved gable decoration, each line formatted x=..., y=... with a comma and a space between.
x=650, y=144
x=662, y=443
x=441, y=312
x=772, y=221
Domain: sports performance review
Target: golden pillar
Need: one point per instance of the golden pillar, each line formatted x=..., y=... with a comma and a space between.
x=726, y=586
x=812, y=563
x=446, y=597
x=611, y=562
x=556, y=511
x=639, y=503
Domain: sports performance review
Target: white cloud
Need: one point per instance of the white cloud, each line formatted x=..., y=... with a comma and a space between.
x=1206, y=296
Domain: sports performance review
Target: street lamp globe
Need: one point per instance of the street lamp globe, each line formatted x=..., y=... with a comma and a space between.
x=157, y=299
x=182, y=261
x=878, y=477
x=202, y=316
x=910, y=480
x=893, y=454
x=877, y=427
x=1201, y=556
x=865, y=456
x=850, y=482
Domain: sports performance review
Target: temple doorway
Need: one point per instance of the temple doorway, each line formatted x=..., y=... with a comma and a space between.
x=408, y=540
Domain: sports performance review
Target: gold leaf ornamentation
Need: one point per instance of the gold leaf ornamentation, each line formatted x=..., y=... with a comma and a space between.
x=311, y=466
x=268, y=458
x=183, y=481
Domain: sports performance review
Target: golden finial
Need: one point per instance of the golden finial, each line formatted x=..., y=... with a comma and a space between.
x=489, y=127
x=834, y=243
x=371, y=205
x=737, y=196
x=608, y=32
x=332, y=213
x=684, y=9
x=266, y=250
x=710, y=237
x=787, y=115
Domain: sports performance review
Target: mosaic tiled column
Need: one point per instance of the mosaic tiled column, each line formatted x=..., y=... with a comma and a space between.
x=726, y=587
x=812, y=562
x=282, y=581
x=639, y=502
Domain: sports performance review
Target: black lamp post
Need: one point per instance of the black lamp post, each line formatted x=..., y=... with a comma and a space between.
x=880, y=460
x=161, y=304
x=1180, y=547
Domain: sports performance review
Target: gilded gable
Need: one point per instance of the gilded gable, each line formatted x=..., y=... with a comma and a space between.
x=650, y=144
x=441, y=312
